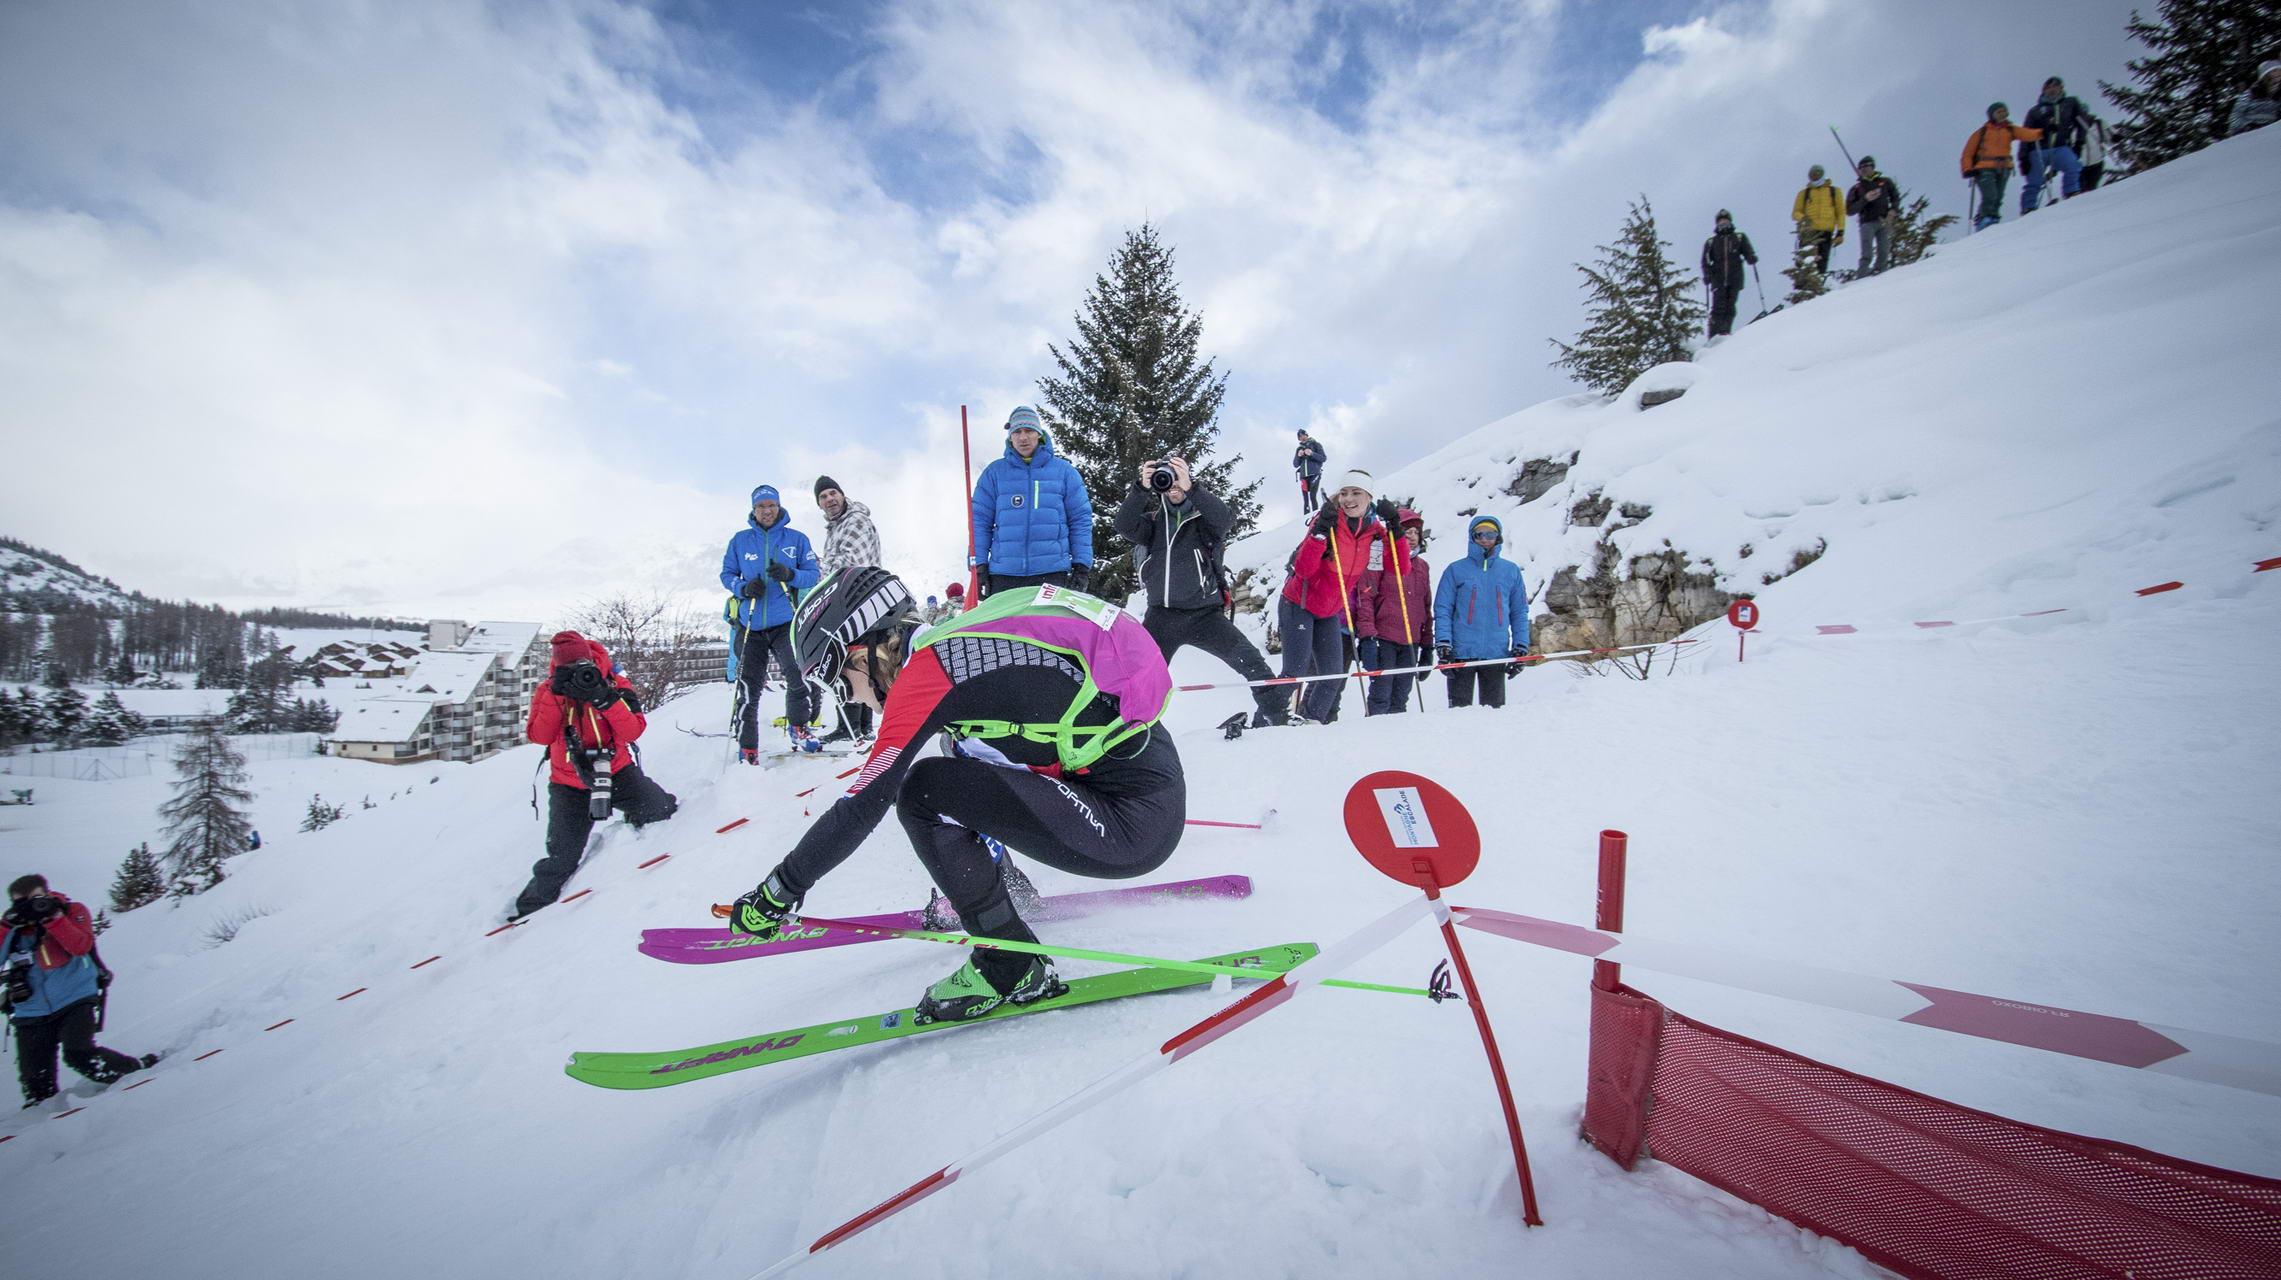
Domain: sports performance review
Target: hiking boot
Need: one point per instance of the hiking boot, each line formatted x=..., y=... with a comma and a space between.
x=748, y=755
x=148, y=1061
x=967, y=995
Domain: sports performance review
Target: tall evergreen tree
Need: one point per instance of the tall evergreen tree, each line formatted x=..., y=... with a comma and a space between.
x=205, y=821
x=1643, y=313
x=2204, y=54
x=106, y=725
x=1133, y=389
x=65, y=713
x=1807, y=282
x=140, y=881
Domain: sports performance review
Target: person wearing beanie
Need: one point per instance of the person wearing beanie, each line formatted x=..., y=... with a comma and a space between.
x=2057, y=118
x=54, y=994
x=850, y=539
x=1307, y=464
x=1818, y=212
x=1394, y=612
x=766, y=567
x=1177, y=534
x=2260, y=104
x=1316, y=611
x=1987, y=161
x=1032, y=519
x=1877, y=202
x=587, y=710
x=1481, y=611
x=1727, y=259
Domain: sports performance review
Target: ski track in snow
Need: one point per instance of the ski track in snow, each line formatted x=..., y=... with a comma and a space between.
x=2075, y=810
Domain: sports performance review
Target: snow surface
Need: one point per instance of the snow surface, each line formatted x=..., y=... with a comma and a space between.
x=2075, y=810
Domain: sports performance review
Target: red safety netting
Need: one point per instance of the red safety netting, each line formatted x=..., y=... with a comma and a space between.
x=1921, y=1186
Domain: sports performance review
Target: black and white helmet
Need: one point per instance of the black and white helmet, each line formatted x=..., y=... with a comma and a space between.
x=849, y=607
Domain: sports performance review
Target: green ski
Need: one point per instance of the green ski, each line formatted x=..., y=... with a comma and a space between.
x=657, y=1070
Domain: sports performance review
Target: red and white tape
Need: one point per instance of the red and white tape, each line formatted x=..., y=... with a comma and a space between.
x=2233, y=1061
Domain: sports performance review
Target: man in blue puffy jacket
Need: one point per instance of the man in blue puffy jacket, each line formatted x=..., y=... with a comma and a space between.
x=1033, y=520
x=768, y=564
x=1481, y=610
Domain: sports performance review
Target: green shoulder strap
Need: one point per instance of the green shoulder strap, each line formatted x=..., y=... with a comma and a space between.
x=1076, y=746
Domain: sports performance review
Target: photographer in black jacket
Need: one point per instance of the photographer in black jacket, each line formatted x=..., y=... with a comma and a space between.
x=1179, y=529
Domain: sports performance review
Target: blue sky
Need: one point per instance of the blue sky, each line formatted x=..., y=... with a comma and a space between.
x=513, y=304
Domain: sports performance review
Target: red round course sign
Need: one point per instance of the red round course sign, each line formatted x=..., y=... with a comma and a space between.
x=1743, y=613
x=1412, y=829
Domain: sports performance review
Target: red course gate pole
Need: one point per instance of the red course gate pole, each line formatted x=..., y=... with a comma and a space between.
x=966, y=453
x=1608, y=912
x=1480, y=1009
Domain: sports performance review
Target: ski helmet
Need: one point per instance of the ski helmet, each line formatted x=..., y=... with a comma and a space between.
x=847, y=608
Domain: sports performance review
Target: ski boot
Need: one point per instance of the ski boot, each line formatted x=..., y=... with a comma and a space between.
x=748, y=755
x=803, y=738
x=967, y=995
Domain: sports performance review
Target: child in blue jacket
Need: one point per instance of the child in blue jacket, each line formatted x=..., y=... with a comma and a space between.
x=1481, y=610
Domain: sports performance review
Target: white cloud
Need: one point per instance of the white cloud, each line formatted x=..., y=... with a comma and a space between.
x=468, y=308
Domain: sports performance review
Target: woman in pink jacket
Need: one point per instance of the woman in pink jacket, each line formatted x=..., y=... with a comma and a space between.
x=1316, y=613
x=1394, y=612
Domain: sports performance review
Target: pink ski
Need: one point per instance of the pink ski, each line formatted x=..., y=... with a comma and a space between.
x=712, y=946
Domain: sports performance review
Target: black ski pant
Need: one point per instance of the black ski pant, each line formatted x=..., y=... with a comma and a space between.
x=1820, y=242
x=1212, y=631
x=568, y=824
x=1309, y=489
x=1491, y=680
x=1389, y=693
x=760, y=643
x=1722, y=310
x=1008, y=582
x=73, y=1029
x=1081, y=825
x=1313, y=646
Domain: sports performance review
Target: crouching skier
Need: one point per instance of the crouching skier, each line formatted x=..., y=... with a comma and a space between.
x=1049, y=699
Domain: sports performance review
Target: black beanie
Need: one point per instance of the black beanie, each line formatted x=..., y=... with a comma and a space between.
x=826, y=482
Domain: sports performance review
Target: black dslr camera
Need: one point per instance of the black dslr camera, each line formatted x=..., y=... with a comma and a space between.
x=581, y=680
x=598, y=783
x=30, y=911
x=19, y=978
x=1160, y=475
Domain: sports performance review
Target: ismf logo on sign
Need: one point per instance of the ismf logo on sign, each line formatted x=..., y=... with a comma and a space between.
x=1406, y=820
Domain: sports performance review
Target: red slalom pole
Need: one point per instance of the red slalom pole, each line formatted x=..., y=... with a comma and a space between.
x=1608, y=911
x=1475, y=1001
x=966, y=453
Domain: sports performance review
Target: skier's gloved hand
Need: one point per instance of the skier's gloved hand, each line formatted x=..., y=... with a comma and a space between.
x=1388, y=514
x=762, y=912
x=1443, y=655
x=752, y=588
x=1321, y=528
x=1517, y=667
x=780, y=571
x=1080, y=576
x=982, y=584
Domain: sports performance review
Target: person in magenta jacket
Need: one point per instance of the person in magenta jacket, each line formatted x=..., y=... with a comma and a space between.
x=1394, y=614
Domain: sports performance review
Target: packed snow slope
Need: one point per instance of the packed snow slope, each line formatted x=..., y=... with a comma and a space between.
x=2073, y=810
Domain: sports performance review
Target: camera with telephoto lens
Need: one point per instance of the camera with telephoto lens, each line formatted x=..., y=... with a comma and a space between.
x=581, y=680
x=598, y=789
x=20, y=978
x=1160, y=477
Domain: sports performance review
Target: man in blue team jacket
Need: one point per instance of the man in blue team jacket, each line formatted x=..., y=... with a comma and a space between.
x=768, y=564
x=1481, y=610
x=1033, y=520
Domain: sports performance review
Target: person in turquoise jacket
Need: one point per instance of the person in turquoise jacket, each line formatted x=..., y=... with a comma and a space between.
x=1481, y=610
x=1033, y=520
x=768, y=564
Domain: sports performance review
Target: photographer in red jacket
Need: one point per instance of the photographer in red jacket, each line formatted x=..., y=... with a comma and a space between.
x=587, y=718
x=54, y=990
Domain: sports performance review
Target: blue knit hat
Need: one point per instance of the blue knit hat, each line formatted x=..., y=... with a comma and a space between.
x=767, y=491
x=1025, y=416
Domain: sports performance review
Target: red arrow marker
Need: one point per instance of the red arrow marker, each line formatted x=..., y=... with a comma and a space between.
x=2070, y=1031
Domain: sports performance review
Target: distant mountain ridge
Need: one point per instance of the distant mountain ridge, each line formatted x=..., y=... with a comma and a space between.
x=37, y=580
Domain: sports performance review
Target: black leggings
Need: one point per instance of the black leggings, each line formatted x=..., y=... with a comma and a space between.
x=73, y=1028
x=568, y=824
x=752, y=672
x=1073, y=825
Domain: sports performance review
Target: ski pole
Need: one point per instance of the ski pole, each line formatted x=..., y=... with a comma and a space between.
x=1850, y=166
x=1075, y=953
x=1758, y=278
